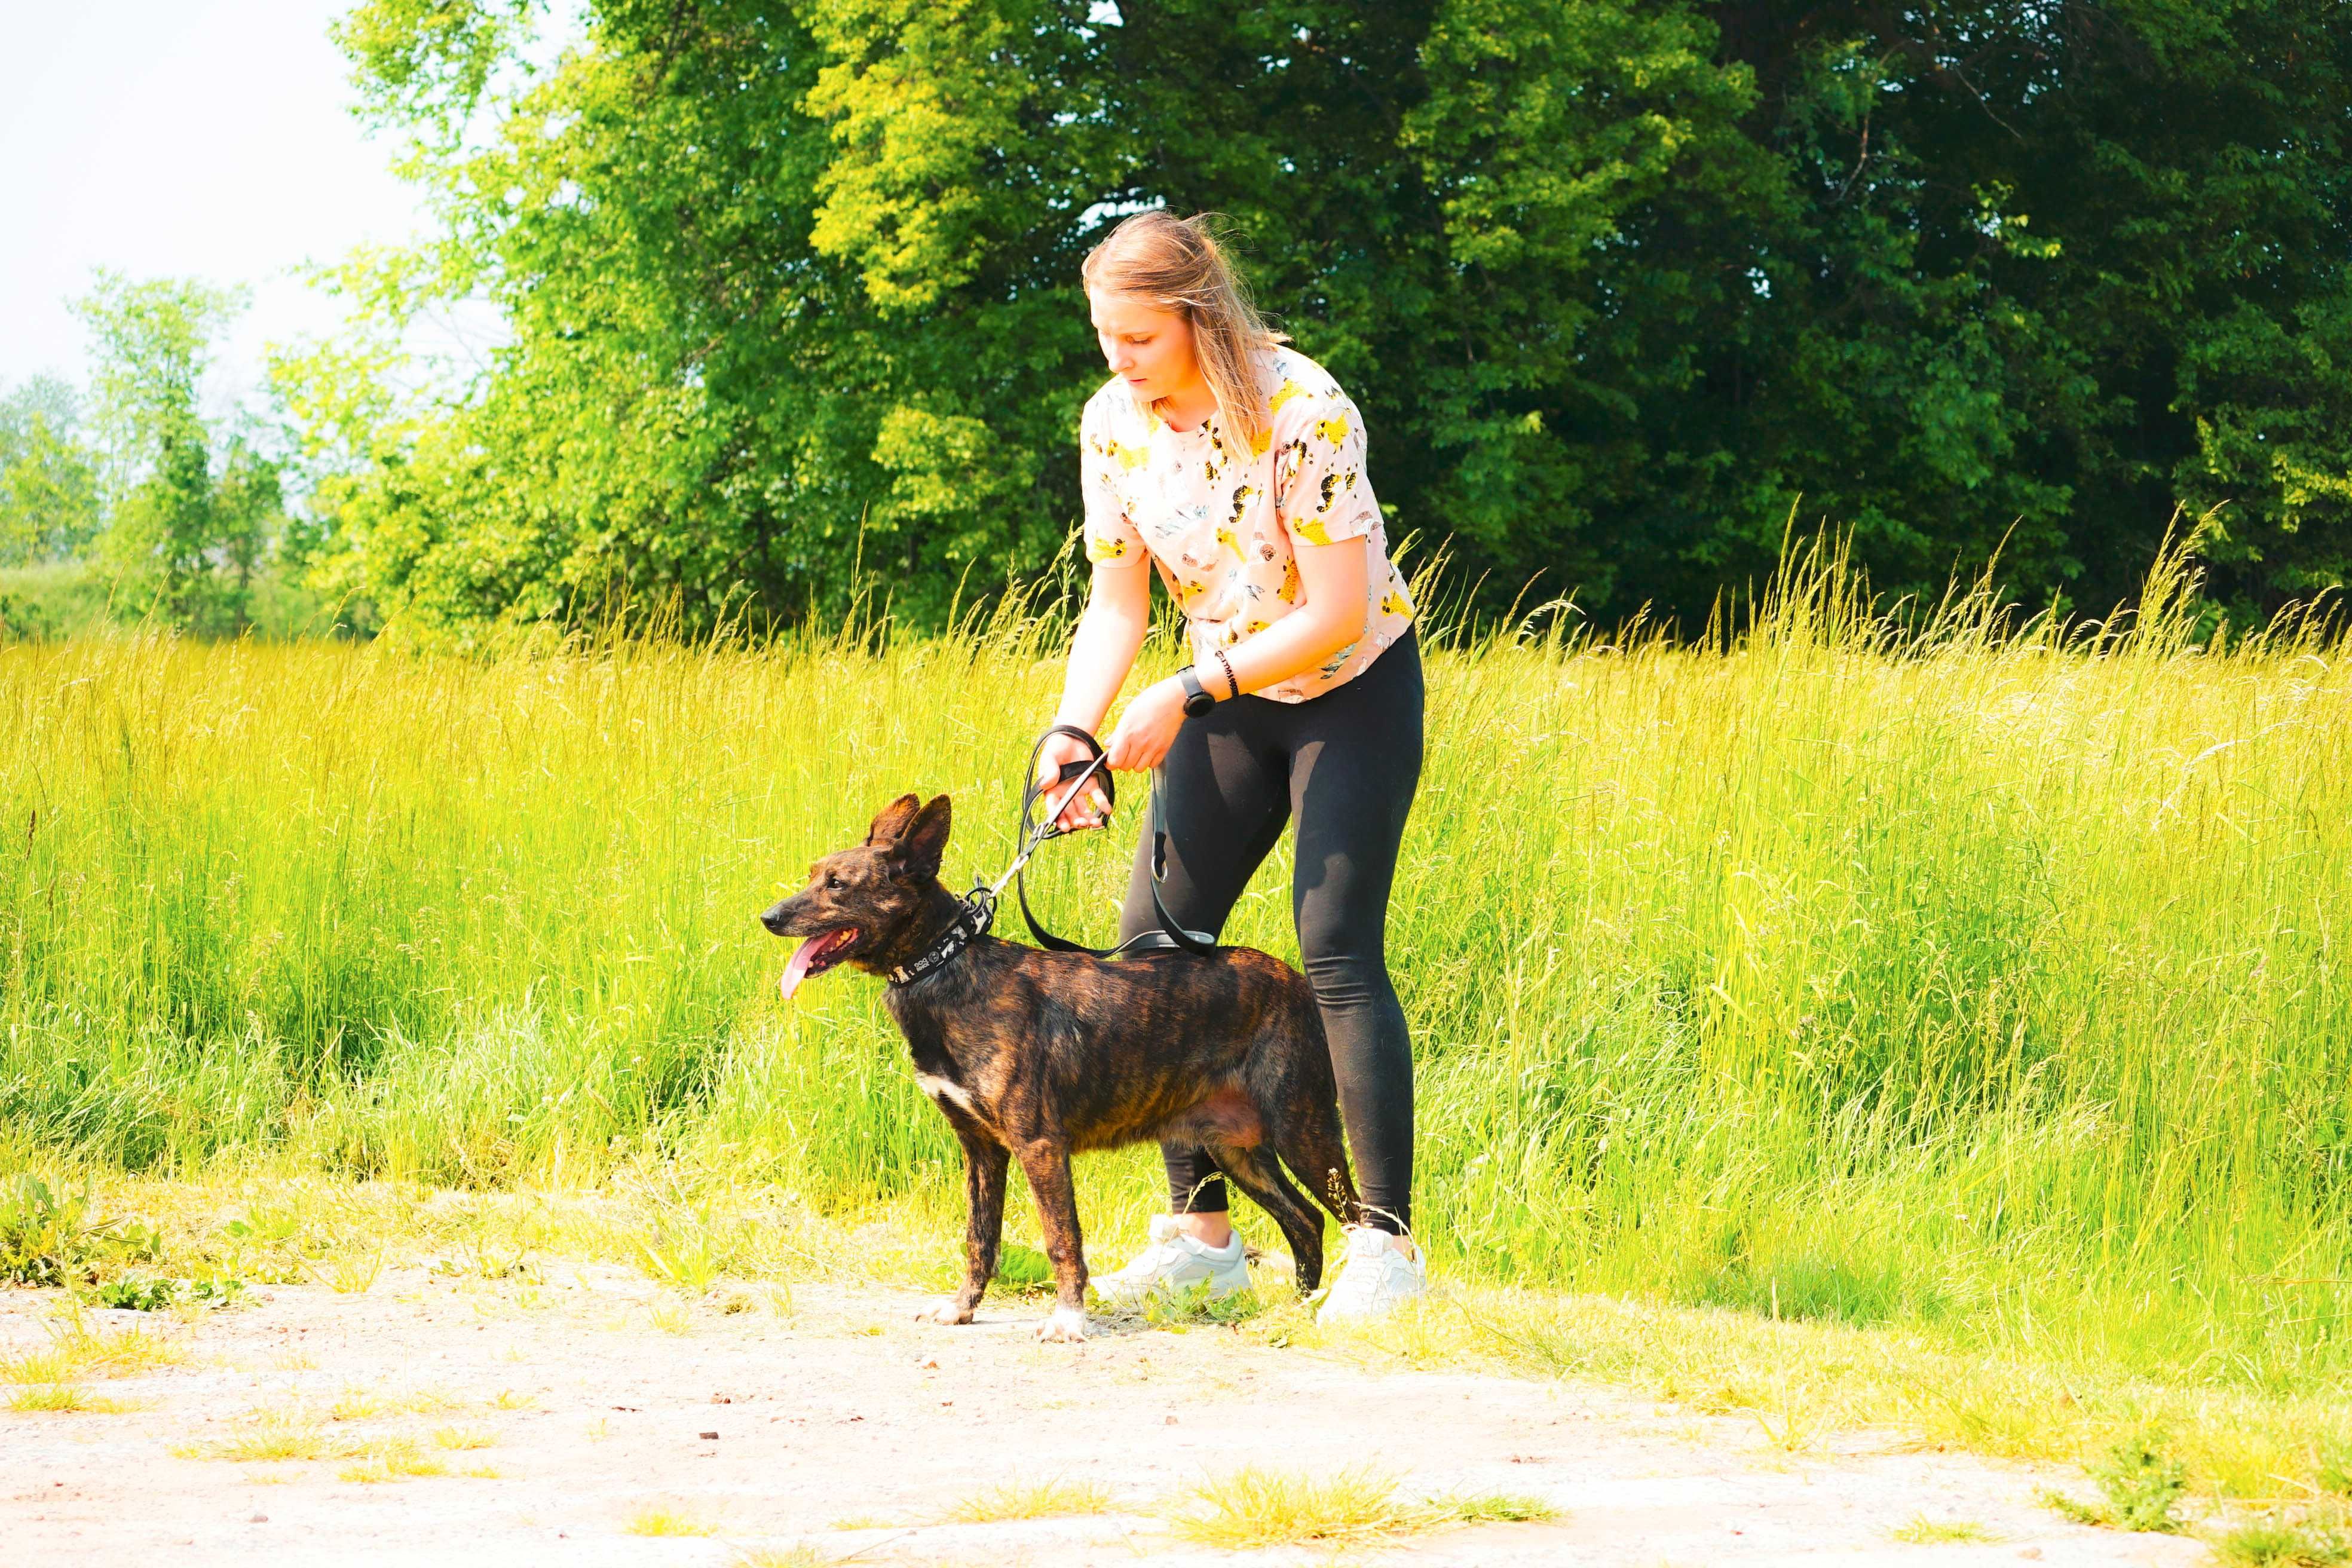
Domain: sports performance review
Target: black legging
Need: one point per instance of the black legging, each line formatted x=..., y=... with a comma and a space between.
x=1345, y=765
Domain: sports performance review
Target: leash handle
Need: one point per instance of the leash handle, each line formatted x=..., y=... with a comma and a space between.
x=1033, y=834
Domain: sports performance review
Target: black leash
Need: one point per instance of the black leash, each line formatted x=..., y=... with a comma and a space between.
x=980, y=905
x=1033, y=834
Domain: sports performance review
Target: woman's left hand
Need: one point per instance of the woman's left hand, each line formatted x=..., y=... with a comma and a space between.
x=1147, y=728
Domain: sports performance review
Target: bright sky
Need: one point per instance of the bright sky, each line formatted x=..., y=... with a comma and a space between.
x=206, y=138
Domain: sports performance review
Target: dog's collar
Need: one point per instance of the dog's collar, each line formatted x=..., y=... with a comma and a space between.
x=978, y=913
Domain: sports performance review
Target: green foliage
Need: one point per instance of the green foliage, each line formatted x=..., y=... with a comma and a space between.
x=49, y=1235
x=2333, y=1470
x=190, y=513
x=2141, y=1484
x=48, y=479
x=791, y=289
x=2282, y=1543
x=137, y=1293
x=42, y=1233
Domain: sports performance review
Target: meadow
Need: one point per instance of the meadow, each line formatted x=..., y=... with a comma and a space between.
x=1974, y=975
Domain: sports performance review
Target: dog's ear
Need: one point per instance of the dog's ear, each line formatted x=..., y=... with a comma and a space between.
x=893, y=821
x=925, y=839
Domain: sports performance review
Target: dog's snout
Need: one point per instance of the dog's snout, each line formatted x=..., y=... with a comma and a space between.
x=774, y=918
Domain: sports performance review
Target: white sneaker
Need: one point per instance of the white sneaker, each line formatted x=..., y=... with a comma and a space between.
x=1375, y=1277
x=1175, y=1262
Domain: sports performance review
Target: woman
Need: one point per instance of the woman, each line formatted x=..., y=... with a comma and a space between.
x=1237, y=467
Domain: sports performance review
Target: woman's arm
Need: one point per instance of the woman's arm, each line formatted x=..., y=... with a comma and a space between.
x=1109, y=634
x=1329, y=616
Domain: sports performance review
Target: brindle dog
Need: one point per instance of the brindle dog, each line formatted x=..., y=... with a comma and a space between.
x=1037, y=1056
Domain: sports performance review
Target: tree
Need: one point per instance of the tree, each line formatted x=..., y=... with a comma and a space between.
x=49, y=482
x=1620, y=285
x=185, y=531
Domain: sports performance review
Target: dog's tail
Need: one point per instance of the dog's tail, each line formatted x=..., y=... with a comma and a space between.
x=1309, y=1137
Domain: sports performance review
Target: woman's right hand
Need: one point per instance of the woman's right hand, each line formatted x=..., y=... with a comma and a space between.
x=1091, y=808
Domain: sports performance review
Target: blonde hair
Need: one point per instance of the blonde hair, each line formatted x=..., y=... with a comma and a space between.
x=1177, y=264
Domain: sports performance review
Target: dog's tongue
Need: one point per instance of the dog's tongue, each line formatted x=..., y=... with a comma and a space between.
x=797, y=970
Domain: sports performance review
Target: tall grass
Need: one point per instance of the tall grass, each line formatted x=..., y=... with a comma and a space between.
x=1945, y=970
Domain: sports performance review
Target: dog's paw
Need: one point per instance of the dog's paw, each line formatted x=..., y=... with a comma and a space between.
x=1067, y=1326
x=945, y=1312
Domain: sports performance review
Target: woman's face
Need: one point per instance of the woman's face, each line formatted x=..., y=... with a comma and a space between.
x=1151, y=347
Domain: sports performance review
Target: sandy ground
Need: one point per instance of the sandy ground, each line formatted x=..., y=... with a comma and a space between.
x=843, y=1429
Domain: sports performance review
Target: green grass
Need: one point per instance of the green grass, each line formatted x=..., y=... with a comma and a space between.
x=1032, y=1499
x=1984, y=984
x=1254, y=1506
x=1925, y=1532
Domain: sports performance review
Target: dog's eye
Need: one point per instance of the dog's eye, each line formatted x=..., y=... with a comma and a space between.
x=831, y=880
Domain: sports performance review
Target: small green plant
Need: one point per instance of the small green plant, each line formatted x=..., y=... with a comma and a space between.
x=393, y=1462
x=1253, y=1507
x=67, y=1396
x=658, y=1521
x=680, y=1247
x=48, y=1235
x=1020, y=1271
x=1925, y=1532
x=1495, y=1508
x=1193, y=1304
x=2334, y=1470
x=463, y=1437
x=2282, y=1543
x=1032, y=1499
x=215, y=1290
x=2141, y=1483
x=352, y=1273
x=135, y=1293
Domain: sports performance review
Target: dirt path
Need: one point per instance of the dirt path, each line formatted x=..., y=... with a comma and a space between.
x=844, y=1429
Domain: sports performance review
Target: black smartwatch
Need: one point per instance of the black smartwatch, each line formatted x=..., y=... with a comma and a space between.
x=1197, y=699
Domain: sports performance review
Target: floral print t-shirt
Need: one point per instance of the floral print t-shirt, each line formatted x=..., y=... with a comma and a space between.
x=1219, y=519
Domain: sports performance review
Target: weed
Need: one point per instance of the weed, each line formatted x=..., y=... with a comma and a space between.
x=75, y=1351
x=1020, y=1271
x=781, y=1557
x=1032, y=1499
x=67, y=1396
x=484, y=1473
x=1193, y=1304
x=1925, y=1532
x=351, y=1273
x=2332, y=1469
x=2142, y=1484
x=2282, y=1543
x=50, y=1235
x=1253, y=1507
x=356, y=1404
x=275, y=1435
x=462, y=1438
x=681, y=1246
x=135, y=1293
x=670, y=1317
x=1495, y=1508
x=510, y=1399
x=393, y=1462
x=656, y=1519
